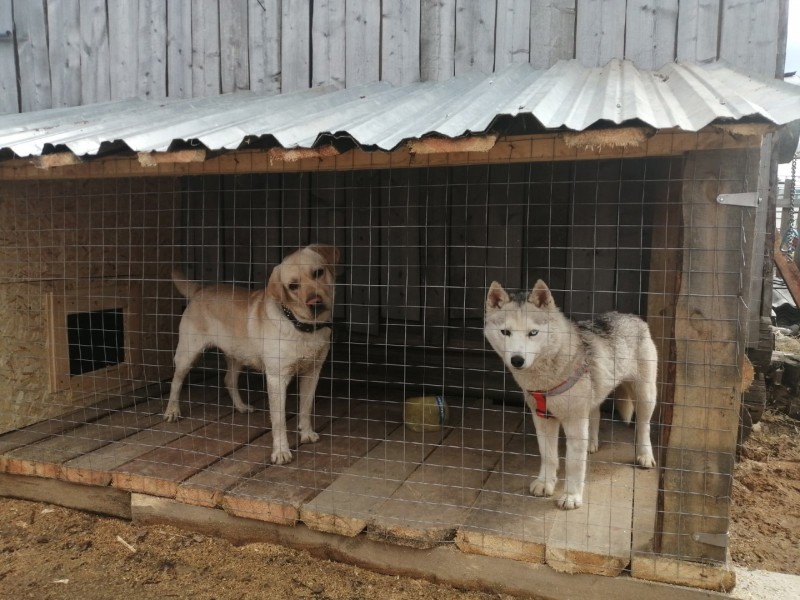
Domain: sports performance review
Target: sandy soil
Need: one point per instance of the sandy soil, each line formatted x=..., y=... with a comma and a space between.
x=52, y=552
x=765, y=530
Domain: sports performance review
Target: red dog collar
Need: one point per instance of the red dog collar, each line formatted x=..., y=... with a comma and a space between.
x=540, y=397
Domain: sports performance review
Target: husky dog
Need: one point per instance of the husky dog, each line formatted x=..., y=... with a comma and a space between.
x=566, y=370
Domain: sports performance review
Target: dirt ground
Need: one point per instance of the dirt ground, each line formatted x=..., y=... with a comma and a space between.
x=765, y=529
x=52, y=552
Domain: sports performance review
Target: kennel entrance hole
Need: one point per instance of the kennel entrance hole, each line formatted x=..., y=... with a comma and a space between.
x=95, y=340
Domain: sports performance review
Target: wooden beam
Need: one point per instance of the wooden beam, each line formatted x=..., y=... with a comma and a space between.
x=545, y=147
x=710, y=331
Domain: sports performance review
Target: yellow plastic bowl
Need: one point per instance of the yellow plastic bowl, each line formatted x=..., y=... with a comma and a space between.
x=425, y=413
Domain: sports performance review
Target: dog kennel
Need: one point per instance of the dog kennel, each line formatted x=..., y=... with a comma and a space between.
x=661, y=222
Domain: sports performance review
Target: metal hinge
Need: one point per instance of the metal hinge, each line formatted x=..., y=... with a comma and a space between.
x=750, y=199
x=712, y=539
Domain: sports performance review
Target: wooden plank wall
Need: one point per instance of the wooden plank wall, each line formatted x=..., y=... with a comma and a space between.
x=70, y=52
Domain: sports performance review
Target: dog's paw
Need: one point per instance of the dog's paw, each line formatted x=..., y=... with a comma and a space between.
x=172, y=415
x=243, y=408
x=541, y=487
x=646, y=460
x=309, y=437
x=593, y=446
x=570, y=501
x=281, y=456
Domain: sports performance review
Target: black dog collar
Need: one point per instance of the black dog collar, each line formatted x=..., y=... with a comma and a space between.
x=302, y=325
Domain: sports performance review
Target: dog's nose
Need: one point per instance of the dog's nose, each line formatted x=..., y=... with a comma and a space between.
x=517, y=361
x=315, y=304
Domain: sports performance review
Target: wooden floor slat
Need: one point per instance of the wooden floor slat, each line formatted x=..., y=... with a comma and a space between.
x=277, y=493
x=208, y=487
x=76, y=418
x=46, y=457
x=160, y=471
x=596, y=538
x=95, y=468
x=348, y=504
x=368, y=473
x=506, y=521
x=435, y=499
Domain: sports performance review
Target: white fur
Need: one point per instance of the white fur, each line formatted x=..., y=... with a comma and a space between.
x=542, y=349
x=252, y=331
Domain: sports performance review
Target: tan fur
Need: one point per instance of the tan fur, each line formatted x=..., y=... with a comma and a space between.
x=252, y=330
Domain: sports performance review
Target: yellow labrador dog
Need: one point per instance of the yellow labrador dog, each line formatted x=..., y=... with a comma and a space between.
x=283, y=330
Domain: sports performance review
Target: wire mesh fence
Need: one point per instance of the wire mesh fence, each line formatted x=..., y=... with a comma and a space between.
x=93, y=319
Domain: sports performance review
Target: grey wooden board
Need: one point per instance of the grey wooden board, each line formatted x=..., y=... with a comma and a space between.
x=234, y=51
x=152, y=68
x=295, y=52
x=600, y=32
x=362, y=50
x=512, y=43
x=400, y=27
x=179, y=49
x=552, y=32
x=63, y=20
x=650, y=29
x=32, y=53
x=9, y=86
x=437, y=39
x=123, y=35
x=747, y=37
x=95, y=57
x=698, y=28
x=102, y=500
x=264, y=39
x=328, y=43
x=205, y=50
x=475, y=23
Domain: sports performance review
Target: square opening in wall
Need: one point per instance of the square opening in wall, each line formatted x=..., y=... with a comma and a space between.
x=94, y=337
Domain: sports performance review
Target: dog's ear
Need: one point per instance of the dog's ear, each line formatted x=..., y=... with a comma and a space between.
x=496, y=297
x=275, y=286
x=330, y=254
x=540, y=295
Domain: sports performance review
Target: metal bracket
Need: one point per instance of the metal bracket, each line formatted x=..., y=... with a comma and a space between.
x=712, y=539
x=750, y=199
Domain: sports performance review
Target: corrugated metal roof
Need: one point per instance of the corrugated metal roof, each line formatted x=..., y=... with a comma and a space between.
x=684, y=96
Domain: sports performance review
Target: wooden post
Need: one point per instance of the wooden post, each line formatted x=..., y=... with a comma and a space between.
x=710, y=331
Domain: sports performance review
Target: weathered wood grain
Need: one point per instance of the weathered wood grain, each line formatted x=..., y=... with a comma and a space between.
x=400, y=27
x=295, y=52
x=475, y=22
x=33, y=56
x=233, y=42
x=362, y=41
x=698, y=30
x=552, y=32
x=95, y=55
x=650, y=29
x=277, y=493
x=9, y=86
x=434, y=500
x=748, y=37
x=600, y=32
x=437, y=39
x=328, y=43
x=179, y=49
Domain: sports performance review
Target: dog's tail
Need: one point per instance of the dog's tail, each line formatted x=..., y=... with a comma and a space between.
x=186, y=287
x=623, y=401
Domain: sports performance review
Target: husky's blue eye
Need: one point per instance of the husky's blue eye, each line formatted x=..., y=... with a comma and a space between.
x=533, y=332
x=505, y=332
